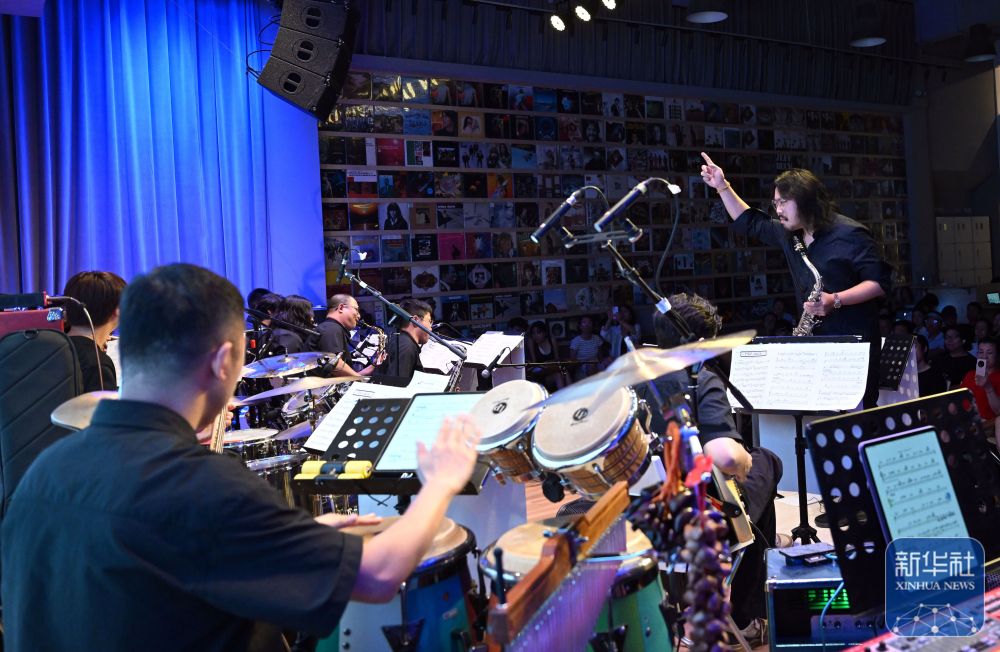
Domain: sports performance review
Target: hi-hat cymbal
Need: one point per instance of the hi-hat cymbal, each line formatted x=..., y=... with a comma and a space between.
x=76, y=413
x=648, y=363
x=286, y=365
x=299, y=385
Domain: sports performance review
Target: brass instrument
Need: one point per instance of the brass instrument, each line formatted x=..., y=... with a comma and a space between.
x=808, y=321
x=379, y=356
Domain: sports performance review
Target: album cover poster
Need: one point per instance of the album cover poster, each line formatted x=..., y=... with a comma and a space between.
x=390, y=186
x=467, y=93
x=498, y=156
x=372, y=276
x=333, y=184
x=551, y=244
x=478, y=245
x=505, y=275
x=444, y=123
x=479, y=276
x=694, y=111
x=415, y=90
x=571, y=157
x=524, y=127
x=453, y=278
x=547, y=157
x=523, y=157
x=577, y=270
x=474, y=185
x=389, y=152
x=416, y=122
x=582, y=299
x=396, y=248
x=357, y=86
x=498, y=125
x=333, y=249
x=396, y=280
x=393, y=216
x=555, y=301
x=615, y=132
x=758, y=285
x=526, y=215
x=335, y=217
x=501, y=215
x=617, y=160
x=532, y=303
x=358, y=118
x=599, y=269
x=545, y=99
x=362, y=184
x=358, y=151
x=501, y=186
x=481, y=307
x=476, y=215
x=575, y=219
x=553, y=273
x=659, y=159
x=612, y=105
x=425, y=279
x=419, y=153
x=526, y=247
x=525, y=185
x=529, y=274
x=569, y=129
x=470, y=124
x=506, y=307
x=363, y=217
x=473, y=155
x=504, y=247
x=455, y=308
x=418, y=185
x=424, y=246
x=702, y=264
x=440, y=91
x=451, y=246
x=495, y=96
x=447, y=185
x=365, y=248
x=546, y=128
x=521, y=98
x=387, y=120
x=334, y=120
x=333, y=150
x=591, y=103
x=638, y=158
x=446, y=154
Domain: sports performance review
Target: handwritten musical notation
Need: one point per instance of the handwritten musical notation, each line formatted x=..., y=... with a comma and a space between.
x=914, y=488
x=801, y=376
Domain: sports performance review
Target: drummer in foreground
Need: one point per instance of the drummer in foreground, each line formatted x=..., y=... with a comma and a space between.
x=129, y=534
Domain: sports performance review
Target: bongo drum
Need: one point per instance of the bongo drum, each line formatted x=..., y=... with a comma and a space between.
x=506, y=417
x=593, y=442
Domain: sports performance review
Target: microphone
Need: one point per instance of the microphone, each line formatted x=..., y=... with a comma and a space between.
x=552, y=219
x=623, y=203
x=343, y=268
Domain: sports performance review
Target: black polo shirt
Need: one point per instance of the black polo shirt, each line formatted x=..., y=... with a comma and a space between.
x=93, y=365
x=333, y=338
x=130, y=535
x=402, y=356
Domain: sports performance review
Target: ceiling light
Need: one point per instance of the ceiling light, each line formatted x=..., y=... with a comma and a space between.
x=707, y=11
x=980, y=47
x=868, y=31
x=610, y=4
x=582, y=13
x=557, y=22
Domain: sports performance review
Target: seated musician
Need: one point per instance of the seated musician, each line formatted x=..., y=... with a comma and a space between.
x=100, y=293
x=342, y=316
x=296, y=310
x=403, y=349
x=757, y=470
x=129, y=535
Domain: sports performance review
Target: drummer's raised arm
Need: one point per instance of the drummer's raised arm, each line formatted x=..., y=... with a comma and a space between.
x=716, y=178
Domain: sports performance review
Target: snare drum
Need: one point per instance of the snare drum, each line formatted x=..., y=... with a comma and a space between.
x=296, y=408
x=593, y=445
x=436, y=594
x=290, y=441
x=251, y=444
x=506, y=418
x=634, y=599
x=279, y=471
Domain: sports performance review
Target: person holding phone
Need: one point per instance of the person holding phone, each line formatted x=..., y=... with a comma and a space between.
x=620, y=324
x=984, y=383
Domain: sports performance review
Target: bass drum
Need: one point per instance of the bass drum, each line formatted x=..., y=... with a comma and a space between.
x=633, y=601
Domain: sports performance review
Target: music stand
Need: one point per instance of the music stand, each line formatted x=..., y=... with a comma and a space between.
x=857, y=534
x=782, y=376
x=892, y=362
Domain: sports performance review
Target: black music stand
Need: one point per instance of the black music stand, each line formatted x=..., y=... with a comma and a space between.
x=857, y=534
x=892, y=362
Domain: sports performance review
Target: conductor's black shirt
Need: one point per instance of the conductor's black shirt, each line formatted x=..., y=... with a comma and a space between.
x=130, y=535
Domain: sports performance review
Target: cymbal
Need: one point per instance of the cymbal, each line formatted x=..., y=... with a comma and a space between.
x=76, y=413
x=299, y=385
x=286, y=365
x=646, y=364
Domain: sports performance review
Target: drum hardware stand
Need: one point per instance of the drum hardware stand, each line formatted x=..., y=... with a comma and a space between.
x=612, y=640
x=405, y=636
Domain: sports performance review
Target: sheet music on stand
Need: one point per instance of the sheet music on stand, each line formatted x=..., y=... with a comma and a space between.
x=801, y=375
x=321, y=439
x=435, y=356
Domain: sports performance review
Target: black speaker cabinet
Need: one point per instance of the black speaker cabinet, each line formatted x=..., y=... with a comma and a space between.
x=311, y=54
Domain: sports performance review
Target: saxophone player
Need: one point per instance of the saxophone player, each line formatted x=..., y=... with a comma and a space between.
x=853, y=274
x=404, y=345
x=342, y=316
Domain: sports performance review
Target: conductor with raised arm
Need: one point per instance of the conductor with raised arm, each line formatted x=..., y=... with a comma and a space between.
x=854, y=275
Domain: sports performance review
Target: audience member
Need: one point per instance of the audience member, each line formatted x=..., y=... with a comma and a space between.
x=903, y=327
x=932, y=331
x=973, y=312
x=980, y=331
x=585, y=348
x=930, y=379
x=621, y=323
x=985, y=386
x=949, y=315
x=539, y=347
x=955, y=361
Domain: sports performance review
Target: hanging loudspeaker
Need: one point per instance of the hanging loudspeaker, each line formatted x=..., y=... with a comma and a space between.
x=311, y=54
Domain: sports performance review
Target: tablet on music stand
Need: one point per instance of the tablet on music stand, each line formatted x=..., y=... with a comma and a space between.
x=421, y=422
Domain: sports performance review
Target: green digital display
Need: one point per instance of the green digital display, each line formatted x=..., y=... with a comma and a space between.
x=816, y=599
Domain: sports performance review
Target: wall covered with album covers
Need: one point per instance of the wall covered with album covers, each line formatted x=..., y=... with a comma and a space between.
x=439, y=183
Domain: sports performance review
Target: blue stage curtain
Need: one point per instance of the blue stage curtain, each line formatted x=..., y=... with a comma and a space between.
x=131, y=136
